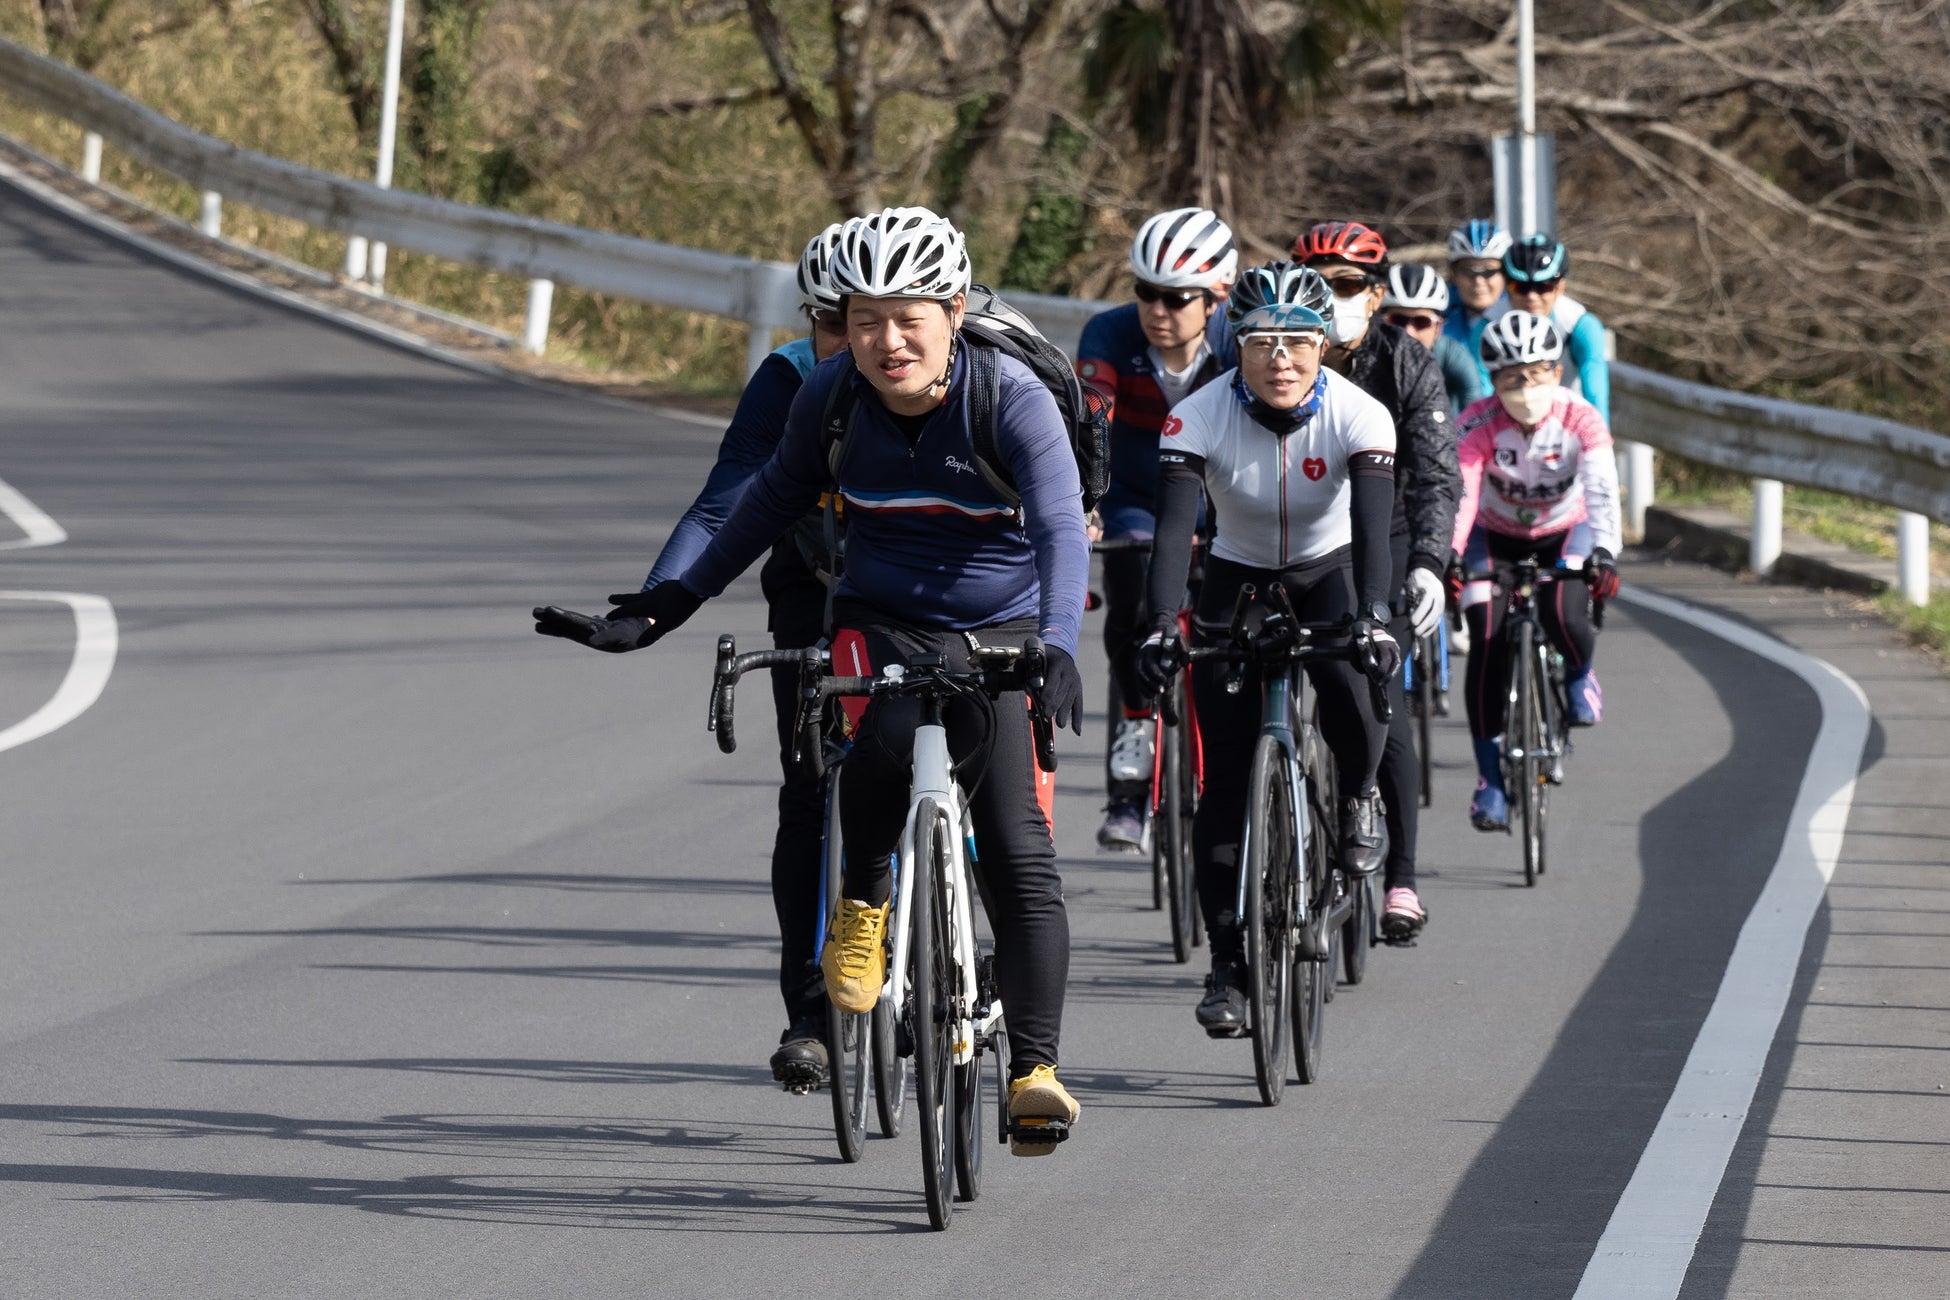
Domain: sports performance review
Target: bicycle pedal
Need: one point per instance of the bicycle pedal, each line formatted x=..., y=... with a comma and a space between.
x=1222, y=1032
x=1037, y=1131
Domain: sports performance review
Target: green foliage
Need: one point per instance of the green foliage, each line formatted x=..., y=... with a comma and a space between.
x=1129, y=60
x=1055, y=224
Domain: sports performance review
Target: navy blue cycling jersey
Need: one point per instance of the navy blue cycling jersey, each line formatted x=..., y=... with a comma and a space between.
x=927, y=539
x=1114, y=357
x=749, y=441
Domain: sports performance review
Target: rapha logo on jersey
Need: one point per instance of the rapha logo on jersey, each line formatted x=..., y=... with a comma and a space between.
x=959, y=466
x=1314, y=468
x=1506, y=456
x=1173, y=426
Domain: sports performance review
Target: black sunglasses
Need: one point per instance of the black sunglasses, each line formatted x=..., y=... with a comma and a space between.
x=1534, y=286
x=1479, y=273
x=1412, y=320
x=1176, y=299
x=1346, y=286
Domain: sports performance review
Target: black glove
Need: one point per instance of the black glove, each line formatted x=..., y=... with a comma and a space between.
x=639, y=619
x=1063, y=691
x=1602, y=573
x=1384, y=653
x=1452, y=578
x=1155, y=665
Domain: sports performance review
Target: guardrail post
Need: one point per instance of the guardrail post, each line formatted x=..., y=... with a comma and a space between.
x=1636, y=467
x=91, y=157
x=1765, y=548
x=758, y=346
x=534, y=329
x=355, y=258
x=1913, y=557
x=210, y=222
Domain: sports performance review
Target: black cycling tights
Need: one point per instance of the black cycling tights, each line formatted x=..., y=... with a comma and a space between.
x=1323, y=592
x=1016, y=869
x=1563, y=607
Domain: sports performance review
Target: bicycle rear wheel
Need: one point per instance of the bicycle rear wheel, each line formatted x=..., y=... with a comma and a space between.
x=1314, y=976
x=1171, y=827
x=931, y=1025
x=890, y=1070
x=1529, y=727
x=1269, y=866
x=849, y=1045
x=970, y=1128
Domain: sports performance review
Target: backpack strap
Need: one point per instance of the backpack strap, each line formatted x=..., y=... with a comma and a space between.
x=984, y=396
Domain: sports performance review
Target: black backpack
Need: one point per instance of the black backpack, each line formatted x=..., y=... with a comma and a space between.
x=992, y=328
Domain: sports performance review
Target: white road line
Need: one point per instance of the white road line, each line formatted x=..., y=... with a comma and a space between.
x=39, y=526
x=1649, y=1242
x=95, y=640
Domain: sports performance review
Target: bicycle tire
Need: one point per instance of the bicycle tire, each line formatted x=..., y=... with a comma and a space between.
x=1171, y=826
x=931, y=1030
x=969, y=1136
x=1358, y=931
x=1268, y=864
x=1528, y=729
x=1314, y=978
x=849, y=1048
x=1425, y=724
x=890, y=1071
x=1548, y=727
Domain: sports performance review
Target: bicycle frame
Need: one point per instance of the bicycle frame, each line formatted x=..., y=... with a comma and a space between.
x=1279, y=706
x=934, y=778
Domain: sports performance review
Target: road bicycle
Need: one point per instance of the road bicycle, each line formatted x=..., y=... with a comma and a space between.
x=1536, y=720
x=940, y=990
x=1296, y=905
x=1425, y=683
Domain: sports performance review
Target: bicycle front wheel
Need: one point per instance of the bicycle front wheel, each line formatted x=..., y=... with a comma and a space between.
x=931, y=1020
x=1528, y=724
x=1268, y=864
x=890, y=1070
x=1425, y=671
x=1171, y=827
x=849, y=1047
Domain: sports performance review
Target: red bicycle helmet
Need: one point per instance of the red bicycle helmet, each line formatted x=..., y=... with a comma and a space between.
x=1343, y=241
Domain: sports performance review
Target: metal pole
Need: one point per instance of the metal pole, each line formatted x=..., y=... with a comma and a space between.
x=91, y=158
x=1526, y=118
x=1913, y=557
x=534, y=328
x=210, y=219
x=388, y=125
x=1637, y=458
x=1765, y=547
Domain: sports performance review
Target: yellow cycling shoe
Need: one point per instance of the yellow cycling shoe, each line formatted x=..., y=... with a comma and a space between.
x=855, y=958
x=1041, y=1111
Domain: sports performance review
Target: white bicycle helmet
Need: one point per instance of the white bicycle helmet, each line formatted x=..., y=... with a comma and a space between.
x=1518, y=338
x=1186, y=248
x=900, y=253
x=1412, y=286
x=816, y=270
x=1478, y=238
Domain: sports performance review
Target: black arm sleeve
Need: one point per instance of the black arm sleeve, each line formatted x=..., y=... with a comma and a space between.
x=1431, y=483
x=1372, y=486
x=1181, y=491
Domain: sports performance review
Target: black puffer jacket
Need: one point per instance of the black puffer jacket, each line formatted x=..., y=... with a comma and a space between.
x=1403, y=376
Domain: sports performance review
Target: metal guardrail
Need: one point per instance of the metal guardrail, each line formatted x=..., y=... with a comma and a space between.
x=1775, y=441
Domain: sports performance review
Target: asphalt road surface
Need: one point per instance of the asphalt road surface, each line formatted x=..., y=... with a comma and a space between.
x=358, y=942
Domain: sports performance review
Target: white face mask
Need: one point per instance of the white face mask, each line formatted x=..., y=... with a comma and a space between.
x=1350, y=319
x=1529, y=406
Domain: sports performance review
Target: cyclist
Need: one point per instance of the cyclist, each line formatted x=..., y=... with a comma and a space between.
x=936, y=559
x=1145, y=358
x=1299, y=463
x=1404, y=378
x=1416, y=303
x=1539, y=480
x=1476, y=250
x=796, y=614
x=1534, y=271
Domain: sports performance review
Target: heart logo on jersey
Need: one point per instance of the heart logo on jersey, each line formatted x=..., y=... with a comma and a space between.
x=1314, y=468
x=1173, y=426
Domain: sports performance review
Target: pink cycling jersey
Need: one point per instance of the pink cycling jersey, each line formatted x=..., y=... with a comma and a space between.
x=1538, y=484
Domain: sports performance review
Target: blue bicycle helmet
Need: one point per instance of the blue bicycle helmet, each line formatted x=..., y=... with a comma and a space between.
x=1478, y=238
x=1257, y=300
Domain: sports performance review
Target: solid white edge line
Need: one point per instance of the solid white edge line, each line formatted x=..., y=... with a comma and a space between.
x=1654, y=1229
x=95, y=642
x=36, y=523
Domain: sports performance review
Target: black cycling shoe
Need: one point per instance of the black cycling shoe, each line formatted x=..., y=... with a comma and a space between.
x=800, y=1063
x=1364, y=834
x=1222, y=1012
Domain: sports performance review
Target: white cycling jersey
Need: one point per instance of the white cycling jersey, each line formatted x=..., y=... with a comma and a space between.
x=1280, y=501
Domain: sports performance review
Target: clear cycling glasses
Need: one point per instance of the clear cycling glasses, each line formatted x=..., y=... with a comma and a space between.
x=1268, y=347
